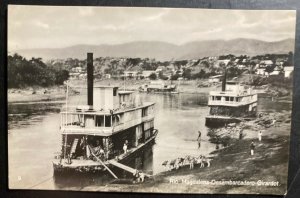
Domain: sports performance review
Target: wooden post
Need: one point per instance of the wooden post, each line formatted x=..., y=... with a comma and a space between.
x=90, y=78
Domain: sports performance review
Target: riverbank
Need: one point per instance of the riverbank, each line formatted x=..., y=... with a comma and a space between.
x=34, y=94
x=265, y=171
x=37, y=94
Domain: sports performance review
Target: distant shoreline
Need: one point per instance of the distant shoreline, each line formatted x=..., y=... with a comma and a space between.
x=39, y=94
x=43, y=94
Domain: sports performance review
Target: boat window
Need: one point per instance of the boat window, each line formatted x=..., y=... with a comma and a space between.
x=226, y=98
x=144, y=112
x=231, y=98
x=89, y=121
x=218, y=97
x=107, y=121
x=115, y=91
x=99, y=121
x=236, y=99
x=116, y=120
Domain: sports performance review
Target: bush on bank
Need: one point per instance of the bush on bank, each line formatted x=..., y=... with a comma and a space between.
x=22, y=72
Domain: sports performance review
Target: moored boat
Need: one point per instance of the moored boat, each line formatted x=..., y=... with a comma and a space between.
x=159, y=87
x=232, y=104
x=111, y=128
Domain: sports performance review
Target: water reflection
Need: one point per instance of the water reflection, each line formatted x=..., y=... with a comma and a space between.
x=22, y=114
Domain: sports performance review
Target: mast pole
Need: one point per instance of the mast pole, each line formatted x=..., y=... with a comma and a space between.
x=124, y=79
x=65, y=143
x=67, y=93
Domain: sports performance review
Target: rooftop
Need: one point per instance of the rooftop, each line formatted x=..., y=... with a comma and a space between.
x=126, y=92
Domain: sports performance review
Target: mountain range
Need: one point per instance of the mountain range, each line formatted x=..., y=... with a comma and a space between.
x=165, y=51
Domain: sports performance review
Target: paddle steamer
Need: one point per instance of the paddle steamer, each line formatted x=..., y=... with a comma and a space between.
x=159, y=86
x=112, y=127
x=232, y=104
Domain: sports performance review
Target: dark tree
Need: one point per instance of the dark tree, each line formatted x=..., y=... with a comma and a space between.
x=175, y=76
x=162, y=76
x=187, y=74
x=61, y=76
x=153, y=76
x=269, y=69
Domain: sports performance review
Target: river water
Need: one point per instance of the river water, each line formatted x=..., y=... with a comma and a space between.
x=34, y=138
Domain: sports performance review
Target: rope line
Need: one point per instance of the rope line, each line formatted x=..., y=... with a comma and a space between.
x=40, y=182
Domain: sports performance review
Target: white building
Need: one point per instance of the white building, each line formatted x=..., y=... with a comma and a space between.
x=131, y=73
x=287, y=71
x=260, y=71
x=275, y=72
x=214, y=79
x=265, y=63
x=77, y=69
x=219, y=62
x=147, y=73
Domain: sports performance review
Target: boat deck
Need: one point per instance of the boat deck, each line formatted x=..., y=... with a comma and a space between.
x=91, y=163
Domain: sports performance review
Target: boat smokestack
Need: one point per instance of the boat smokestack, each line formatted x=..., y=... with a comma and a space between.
x=90, y=78
x=224, y=80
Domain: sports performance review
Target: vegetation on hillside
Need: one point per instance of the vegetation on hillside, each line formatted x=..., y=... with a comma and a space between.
x=22, y=72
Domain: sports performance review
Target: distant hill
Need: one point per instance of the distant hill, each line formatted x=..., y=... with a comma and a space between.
x=165, y=51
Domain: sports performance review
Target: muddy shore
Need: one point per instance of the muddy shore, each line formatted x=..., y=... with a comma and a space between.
x=266, y=170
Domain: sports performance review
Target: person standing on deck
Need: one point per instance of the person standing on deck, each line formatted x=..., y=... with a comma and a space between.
x=259, y=136
x=199, y=139
x=125, y=146
x=252, y=147
x=98, y=150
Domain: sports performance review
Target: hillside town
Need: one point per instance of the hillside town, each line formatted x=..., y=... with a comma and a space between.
x=205, y=68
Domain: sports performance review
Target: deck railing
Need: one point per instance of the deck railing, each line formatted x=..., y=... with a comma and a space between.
x=232, y=103
x=70, y=128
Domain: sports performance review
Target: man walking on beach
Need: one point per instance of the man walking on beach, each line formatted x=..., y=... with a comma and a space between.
x=252, y=147
x=259, y=136
x=199, y=139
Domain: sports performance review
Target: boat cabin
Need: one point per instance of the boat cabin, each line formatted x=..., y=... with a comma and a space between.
x=116, y=118
x=236, y=100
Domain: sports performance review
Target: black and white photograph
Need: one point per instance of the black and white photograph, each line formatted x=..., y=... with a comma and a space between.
x=154, y=100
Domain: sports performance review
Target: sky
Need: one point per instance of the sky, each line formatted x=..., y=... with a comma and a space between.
x=56, y=27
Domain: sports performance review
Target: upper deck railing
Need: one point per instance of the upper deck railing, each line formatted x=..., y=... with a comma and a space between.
x=103, y=131
x=231, y=100
x=104, y=123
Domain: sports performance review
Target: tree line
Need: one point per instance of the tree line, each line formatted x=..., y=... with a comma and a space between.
x=34, y=72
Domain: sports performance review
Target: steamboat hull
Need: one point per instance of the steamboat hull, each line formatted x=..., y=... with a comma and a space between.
x=220, y=121
x=61, y=168
x=223, y=115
